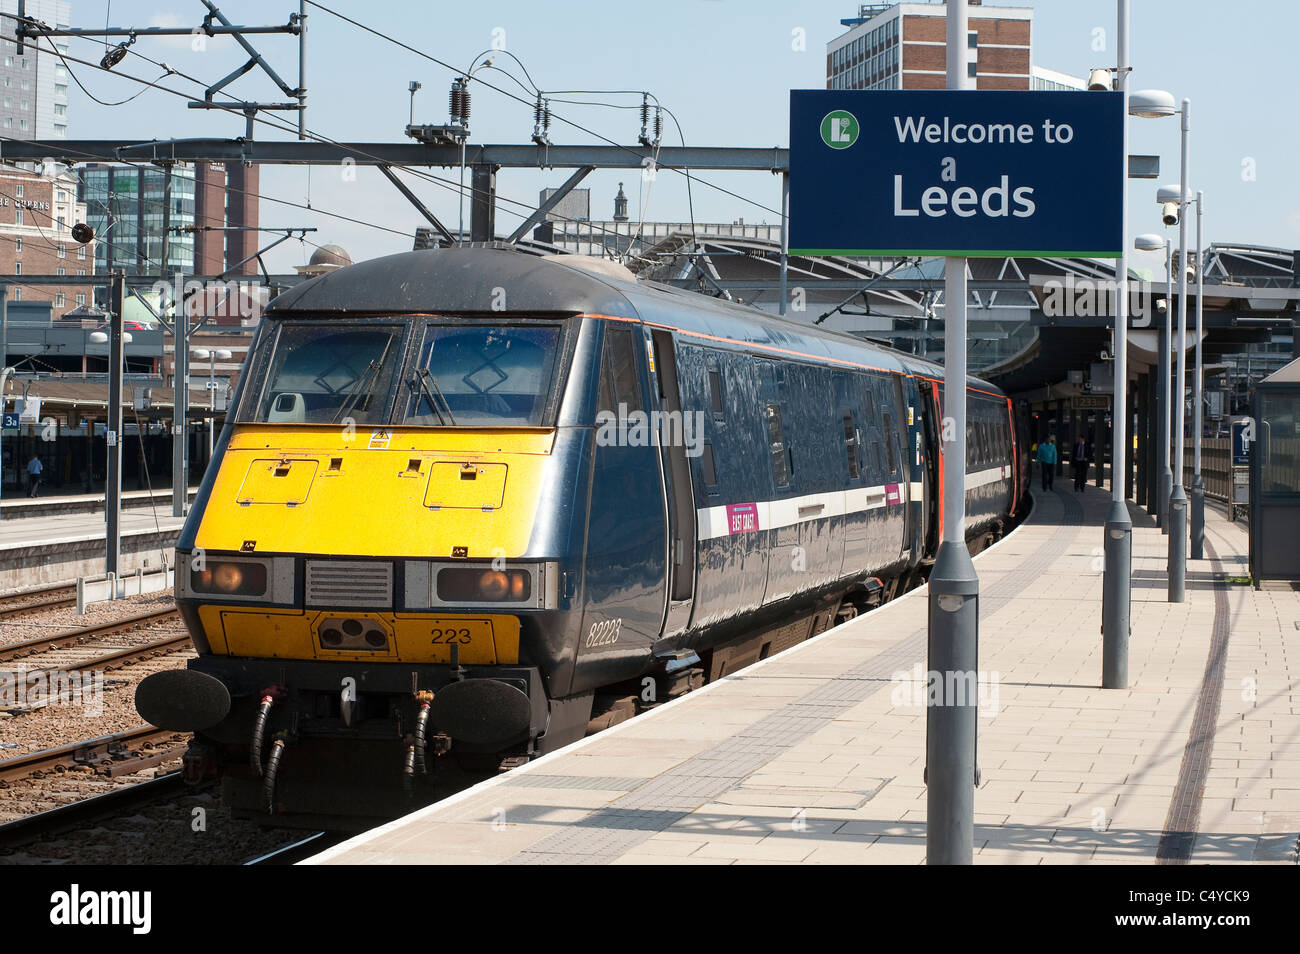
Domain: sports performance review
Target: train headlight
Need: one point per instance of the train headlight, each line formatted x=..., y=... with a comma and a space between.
x=229, y=578
x=477, y=585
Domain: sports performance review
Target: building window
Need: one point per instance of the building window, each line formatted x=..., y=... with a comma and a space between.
x=60, y=300
x=63, y=249
x=60, y=222
x=81, y=300
x=972, y=40
x=18, y=217
x=18, y=268
x=18, y=294
x=81, y=271
x=18, y=245
x=970, y=70
x=61, y=271
x=81, y=252
x=9, y=61
x=20, y=190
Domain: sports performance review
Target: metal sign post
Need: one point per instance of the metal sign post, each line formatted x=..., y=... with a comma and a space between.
x=1117, y=591
x=934, y=173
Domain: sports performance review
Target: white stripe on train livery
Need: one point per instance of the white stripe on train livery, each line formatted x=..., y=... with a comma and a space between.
x=722, y=521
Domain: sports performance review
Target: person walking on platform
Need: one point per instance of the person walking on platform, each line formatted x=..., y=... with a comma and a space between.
x=1047, y=460
x=34, y=469
x=1079, y=460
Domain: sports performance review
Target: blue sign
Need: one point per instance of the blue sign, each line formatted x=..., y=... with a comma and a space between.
x=956, y=172
x=11, y=420
x=1242, y=431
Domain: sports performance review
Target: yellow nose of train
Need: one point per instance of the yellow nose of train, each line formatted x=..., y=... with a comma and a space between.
x=309, y=533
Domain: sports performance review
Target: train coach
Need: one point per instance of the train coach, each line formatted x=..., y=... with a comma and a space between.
x=471, y=502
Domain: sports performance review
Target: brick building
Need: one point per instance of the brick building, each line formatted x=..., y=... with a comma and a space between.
x=37, y=213
x=225, y=210
x=903, y=46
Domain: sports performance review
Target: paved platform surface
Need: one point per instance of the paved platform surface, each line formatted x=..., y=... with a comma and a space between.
x=27, y=532
x=815, y=755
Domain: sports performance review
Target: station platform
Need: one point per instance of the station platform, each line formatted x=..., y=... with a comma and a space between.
x=60, y=546
x=816, y=755
x=20, y=506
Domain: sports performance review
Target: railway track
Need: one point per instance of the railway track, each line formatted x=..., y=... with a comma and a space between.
x=37, y=601
x=88, y=811
x=120, y=753
x=98, y=630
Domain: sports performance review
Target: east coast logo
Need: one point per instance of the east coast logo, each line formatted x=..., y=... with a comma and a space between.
x=839, y=129
x=77, y=907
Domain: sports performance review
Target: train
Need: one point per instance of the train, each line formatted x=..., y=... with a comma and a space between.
x=470, y=504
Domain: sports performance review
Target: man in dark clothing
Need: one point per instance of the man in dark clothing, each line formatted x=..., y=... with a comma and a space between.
x=1080, y=461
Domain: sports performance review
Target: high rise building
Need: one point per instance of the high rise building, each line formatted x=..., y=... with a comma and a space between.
x=125, y=205
x=904, y=46
x=34, y=83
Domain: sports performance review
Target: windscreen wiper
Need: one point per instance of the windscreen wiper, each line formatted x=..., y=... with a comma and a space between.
x=426, y=379
x=354, y=395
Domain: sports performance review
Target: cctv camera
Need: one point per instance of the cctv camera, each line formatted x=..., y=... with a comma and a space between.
x=1169, y=213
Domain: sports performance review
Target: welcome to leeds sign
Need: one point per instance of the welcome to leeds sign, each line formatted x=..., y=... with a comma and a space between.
x=956, y=172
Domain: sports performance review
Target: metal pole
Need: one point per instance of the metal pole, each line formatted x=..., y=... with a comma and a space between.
x=953, y=647
x=180, y=400
x=1198, y=484
x=4, y=363
x=212, y=397
x=785, y=238
x=302, y=69
x=1166, y=394
x=1117, y=593
x=1178, y=498
x=113, y=433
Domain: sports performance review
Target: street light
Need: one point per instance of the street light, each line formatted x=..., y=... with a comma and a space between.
x=1117, y=588
x=1178, y=497
x=1198, y=485
x=1152, y=242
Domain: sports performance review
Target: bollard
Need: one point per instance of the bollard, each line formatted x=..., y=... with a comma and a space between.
x=1116, y=598
x=1198, y=517
x=1177, y=545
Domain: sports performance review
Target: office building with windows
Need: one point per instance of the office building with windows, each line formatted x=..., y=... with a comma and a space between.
x=34, y=83
x=125, y=206
x=904, y=46
x=37, y=212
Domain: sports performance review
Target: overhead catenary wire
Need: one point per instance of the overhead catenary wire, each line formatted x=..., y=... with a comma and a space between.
x=448, y=184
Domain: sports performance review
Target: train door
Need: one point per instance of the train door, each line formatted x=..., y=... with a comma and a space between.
x=680, y=496
x=930, y=417
x=626, y=535
x=905, y=469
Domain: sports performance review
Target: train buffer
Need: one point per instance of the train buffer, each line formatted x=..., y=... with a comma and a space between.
x=816, y=754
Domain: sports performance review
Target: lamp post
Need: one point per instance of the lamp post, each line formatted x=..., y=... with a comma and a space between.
x=212, y=355
x=1198, y=485
x=1178, y=497
x=1157, y=104
x=116, y=339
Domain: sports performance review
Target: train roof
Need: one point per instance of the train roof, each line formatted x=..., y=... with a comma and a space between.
x=479, y=280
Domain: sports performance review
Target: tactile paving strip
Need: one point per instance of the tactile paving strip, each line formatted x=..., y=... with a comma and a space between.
x=654, y=805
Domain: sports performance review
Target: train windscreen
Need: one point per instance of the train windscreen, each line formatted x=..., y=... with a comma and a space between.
x=484, y=375
x=328, y=374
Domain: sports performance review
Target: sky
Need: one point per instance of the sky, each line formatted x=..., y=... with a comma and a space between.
x=723, y=67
